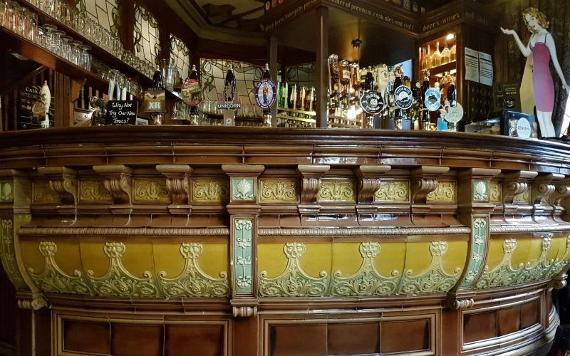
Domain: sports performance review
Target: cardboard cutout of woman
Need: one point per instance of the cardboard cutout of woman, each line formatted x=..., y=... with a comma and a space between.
x=542, y=48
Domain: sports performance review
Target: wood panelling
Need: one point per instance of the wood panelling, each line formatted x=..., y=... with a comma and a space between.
x=194, y=340
x=530, y=313
x=417, y=335
x=298, y=339
x=479, y=326
x=353, y=338
x=509, y=320
x=87, y=337
x=136, y=340
x=8, y=310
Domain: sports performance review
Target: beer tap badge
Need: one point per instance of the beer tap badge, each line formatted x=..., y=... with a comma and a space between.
x=404, y=97
x=265, y=94
x=371, y=102
x=432, y=100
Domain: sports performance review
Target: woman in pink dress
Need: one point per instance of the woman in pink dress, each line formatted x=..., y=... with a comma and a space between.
x=542, y=48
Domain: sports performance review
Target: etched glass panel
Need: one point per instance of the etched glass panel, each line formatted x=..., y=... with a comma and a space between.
x=180, y=56
x=146, y=34
x=213, y=72
x=105, y=12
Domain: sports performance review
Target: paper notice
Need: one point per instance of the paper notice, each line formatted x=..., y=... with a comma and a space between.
x=485, y=69
x=471, y=65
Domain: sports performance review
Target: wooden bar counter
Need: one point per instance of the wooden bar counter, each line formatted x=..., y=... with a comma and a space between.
x=180, y=240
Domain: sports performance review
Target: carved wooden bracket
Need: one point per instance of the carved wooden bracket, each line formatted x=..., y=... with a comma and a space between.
x=369, y=182
x=117, y=181
x=176, y=181
x=543, y=187
x=63, y=181
x=424, y=181
x=311, y=182
x=515, y=183
x=561, y=192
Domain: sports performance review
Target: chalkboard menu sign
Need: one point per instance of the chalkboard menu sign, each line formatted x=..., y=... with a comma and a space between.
x=122, y=112
x=31, y=109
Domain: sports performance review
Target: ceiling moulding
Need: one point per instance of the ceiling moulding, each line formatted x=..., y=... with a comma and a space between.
x=204, y=30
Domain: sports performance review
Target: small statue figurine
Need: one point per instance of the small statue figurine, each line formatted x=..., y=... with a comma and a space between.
x=542, y=48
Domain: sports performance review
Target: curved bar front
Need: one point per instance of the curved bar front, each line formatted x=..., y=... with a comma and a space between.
x=240, y=241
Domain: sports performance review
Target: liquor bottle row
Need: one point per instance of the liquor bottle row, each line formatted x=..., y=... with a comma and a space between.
x=295, y=97
x=439, y=56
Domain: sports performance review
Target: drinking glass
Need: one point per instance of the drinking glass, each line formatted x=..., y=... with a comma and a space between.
x=49, y=31
x=56, y=42
x=76, y=52
x=85, y=57
x=66, y=48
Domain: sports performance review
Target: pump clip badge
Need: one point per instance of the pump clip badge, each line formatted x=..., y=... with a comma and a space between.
x=432, y=99
x=265, y=94
x=404, y=97
x=371, y=102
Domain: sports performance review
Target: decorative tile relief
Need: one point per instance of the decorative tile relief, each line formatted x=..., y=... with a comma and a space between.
x=91, y=191
x=243, y=255
x=278, y=190
x=147, y=190
x=479, y=236
x=393, y=191
x=336, y=190
x=242, y=188
x=209, y=190
x=293, y=282
x=446, y=192
x=481, y=191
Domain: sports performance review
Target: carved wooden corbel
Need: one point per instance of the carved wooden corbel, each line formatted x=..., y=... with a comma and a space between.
x=424, y=181
x=543, y=187
x=63, y=181
x=117, y=181
x=516, y=183
x=561, y=192
x=177, y=177
x=369, y=182
x=311, y=182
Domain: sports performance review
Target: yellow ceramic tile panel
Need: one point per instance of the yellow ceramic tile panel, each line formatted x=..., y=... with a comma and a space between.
x=527, y=250
x=495, y=254
x=557, y=247
x=32, y=256
x=346, y=257
x=418, y=257
x=455, y=256
x=270, y=258
x=168, y=259
x=392, y=257
x=93, y=257
x=138, y=258
x=317, y=258
x=67, y=256
x=214, y=259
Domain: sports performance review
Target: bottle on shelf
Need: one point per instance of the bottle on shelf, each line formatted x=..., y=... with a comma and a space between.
x=445, y=54
x=293, y=97
x=453, y=53
x=436, y=56
x=429, y=59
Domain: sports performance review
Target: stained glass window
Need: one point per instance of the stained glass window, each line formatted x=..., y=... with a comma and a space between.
x=105, y=12
x=302, y=75
x=213, y=73
x=146, y=34
x=180, y=56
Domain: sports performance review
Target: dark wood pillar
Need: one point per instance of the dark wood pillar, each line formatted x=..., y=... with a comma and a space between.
x=322, y=66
